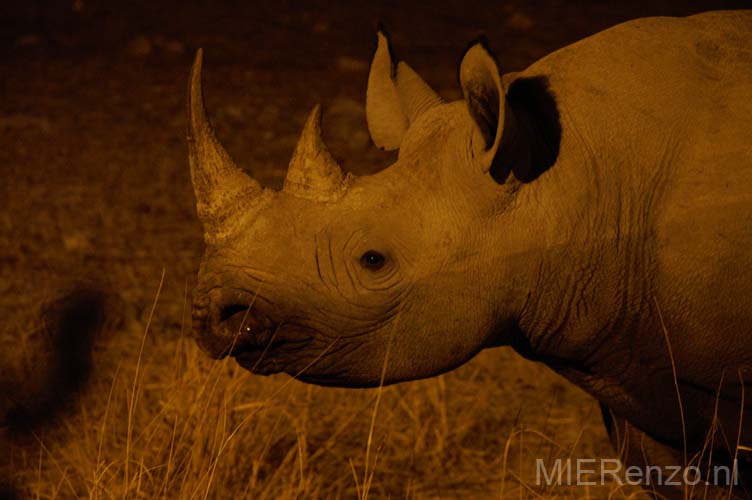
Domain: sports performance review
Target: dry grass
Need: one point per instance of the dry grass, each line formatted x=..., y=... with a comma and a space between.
x=96, y=183
x=160, y=420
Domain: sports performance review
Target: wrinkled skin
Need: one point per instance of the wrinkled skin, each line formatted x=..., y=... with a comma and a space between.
x=594, y=212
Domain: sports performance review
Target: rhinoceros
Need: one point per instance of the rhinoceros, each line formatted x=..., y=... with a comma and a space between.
x=593, y=211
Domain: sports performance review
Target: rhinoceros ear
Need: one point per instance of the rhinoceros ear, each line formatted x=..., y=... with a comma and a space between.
x=395, y=98
x=486, y=100
x=386, y=121
x=415, y=94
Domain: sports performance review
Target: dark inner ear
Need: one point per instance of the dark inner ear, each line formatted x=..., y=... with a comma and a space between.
x=483, y=103
x=533, y=147
x=537, y=125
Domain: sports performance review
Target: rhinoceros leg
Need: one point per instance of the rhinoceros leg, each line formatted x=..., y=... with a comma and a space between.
x=636, y=448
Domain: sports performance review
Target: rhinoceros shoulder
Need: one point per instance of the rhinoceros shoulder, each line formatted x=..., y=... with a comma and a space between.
x=656, y=118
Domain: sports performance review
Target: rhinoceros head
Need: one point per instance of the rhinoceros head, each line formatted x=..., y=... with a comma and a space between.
x=351, y=281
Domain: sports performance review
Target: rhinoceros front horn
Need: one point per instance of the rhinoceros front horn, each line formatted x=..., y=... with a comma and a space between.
x=223, y=191
x=313, y=174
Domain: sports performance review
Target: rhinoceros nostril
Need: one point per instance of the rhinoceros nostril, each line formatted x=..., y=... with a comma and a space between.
x=231, y=310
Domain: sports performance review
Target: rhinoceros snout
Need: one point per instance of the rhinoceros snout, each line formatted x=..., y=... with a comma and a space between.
x=225, y=324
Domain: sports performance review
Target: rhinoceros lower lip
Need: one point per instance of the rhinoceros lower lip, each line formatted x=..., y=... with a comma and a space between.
x=256, y=360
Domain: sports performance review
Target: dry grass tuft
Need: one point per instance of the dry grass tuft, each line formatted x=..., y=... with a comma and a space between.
x=160, y=420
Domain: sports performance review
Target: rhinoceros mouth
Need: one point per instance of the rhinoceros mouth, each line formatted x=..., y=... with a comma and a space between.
x=247, y=328
x=229, y=326
x=267, y=352
x=232, y=330
x=251, y=356
x=259, y=361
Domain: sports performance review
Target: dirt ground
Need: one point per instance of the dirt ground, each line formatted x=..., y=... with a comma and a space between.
x=95, y=190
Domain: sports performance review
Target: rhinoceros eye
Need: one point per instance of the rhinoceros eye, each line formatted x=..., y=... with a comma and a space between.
x=372, y=260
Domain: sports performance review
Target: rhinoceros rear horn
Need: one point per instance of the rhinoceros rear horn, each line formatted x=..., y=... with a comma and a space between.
x=313, y=173
x=486, y=100
x=222, y=190
x=395, y=98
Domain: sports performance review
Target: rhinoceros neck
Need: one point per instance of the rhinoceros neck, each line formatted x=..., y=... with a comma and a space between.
x=595, y=213
x=591, y=233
